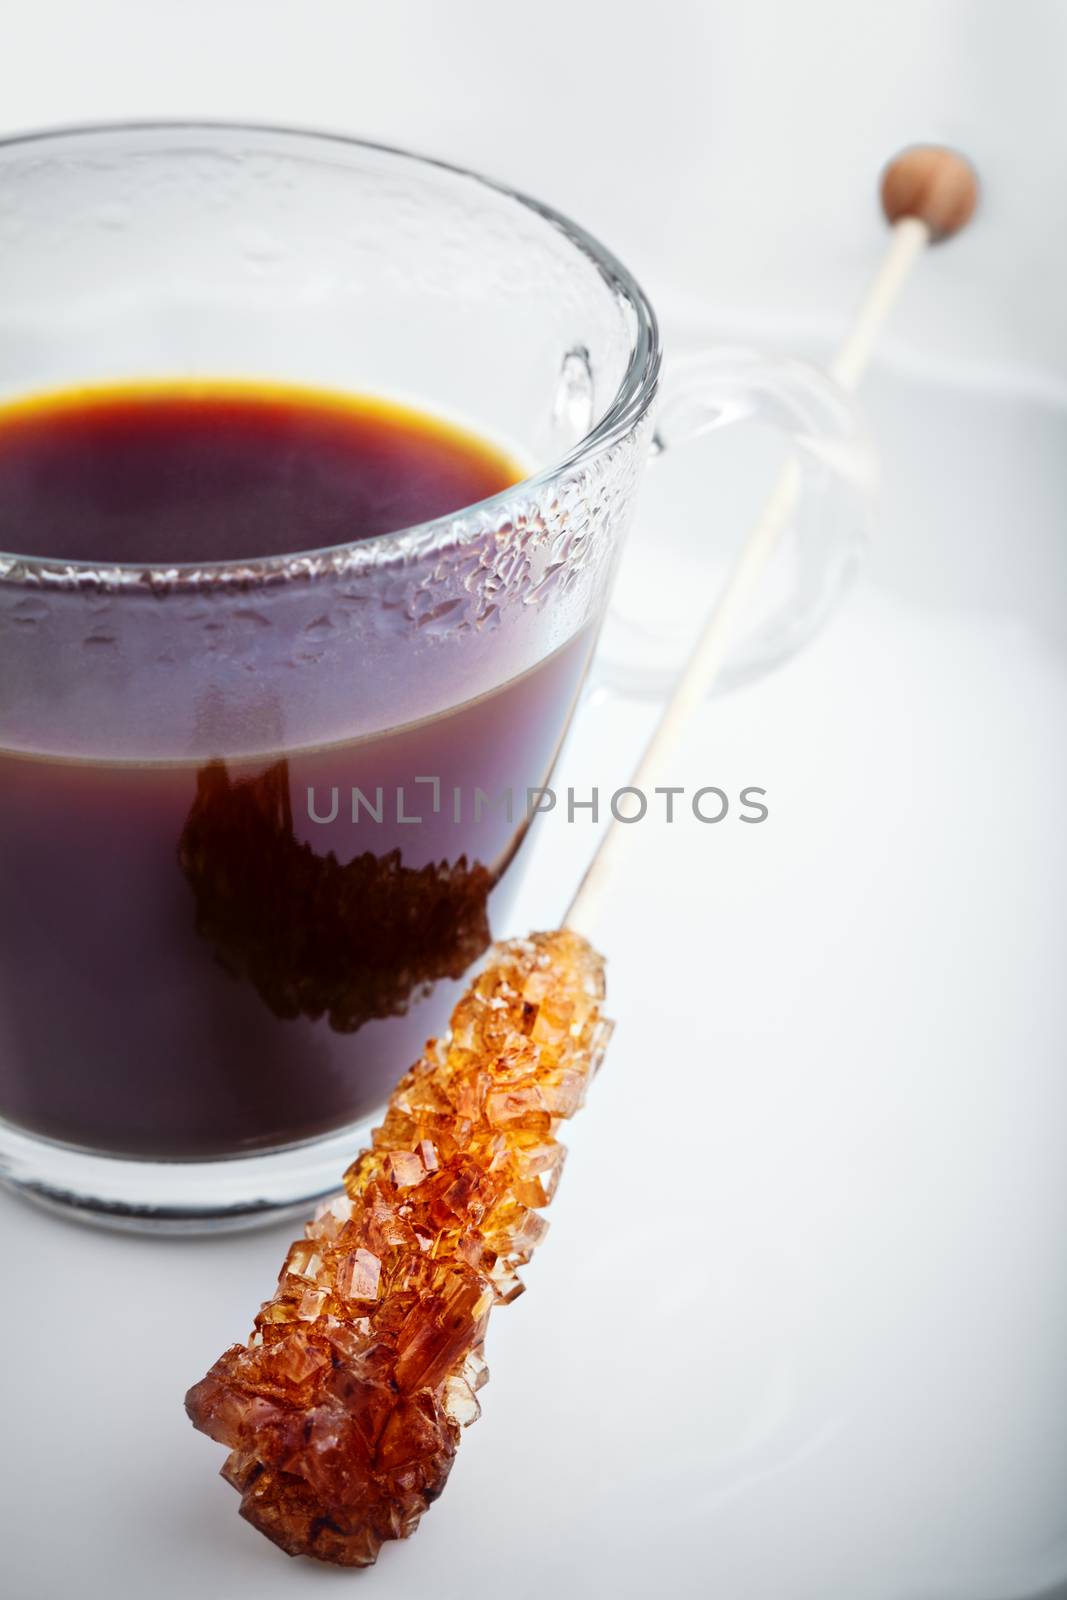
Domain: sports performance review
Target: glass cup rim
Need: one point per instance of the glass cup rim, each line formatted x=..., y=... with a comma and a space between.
x=434, y=536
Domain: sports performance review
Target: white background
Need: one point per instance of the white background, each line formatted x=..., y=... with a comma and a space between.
x=724, y=150
x=799, y=1330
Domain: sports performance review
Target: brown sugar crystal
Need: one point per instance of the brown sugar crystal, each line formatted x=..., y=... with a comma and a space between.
x=343, y=1411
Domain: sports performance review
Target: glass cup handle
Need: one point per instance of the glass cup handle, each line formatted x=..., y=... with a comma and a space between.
x=668, y=576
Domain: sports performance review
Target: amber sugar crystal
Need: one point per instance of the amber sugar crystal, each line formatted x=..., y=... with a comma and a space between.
x=343, y=1411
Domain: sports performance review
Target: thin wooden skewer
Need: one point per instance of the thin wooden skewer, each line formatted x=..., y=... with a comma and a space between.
x=308, y=1475
x=928, y=194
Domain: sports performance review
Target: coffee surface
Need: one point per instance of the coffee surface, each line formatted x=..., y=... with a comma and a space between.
x=173, y=473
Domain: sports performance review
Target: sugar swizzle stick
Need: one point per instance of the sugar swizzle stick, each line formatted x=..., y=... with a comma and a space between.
x=343, y=1411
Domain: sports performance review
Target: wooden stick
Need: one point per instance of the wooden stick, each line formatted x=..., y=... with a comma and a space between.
x=927, y=194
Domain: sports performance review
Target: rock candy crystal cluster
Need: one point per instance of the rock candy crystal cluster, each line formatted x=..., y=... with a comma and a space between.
x=343, y=1411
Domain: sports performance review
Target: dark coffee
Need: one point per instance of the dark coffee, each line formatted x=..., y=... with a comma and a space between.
x=203, y=958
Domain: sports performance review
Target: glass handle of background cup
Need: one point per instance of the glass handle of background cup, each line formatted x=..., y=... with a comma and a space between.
x=671, y=568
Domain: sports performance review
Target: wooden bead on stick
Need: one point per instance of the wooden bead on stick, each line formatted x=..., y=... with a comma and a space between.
x=937, y=186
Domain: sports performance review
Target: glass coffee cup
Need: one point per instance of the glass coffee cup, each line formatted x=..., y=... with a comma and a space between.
x=260, y=811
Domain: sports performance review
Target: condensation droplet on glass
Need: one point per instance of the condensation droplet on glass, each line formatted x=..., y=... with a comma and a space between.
x=572, y=410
